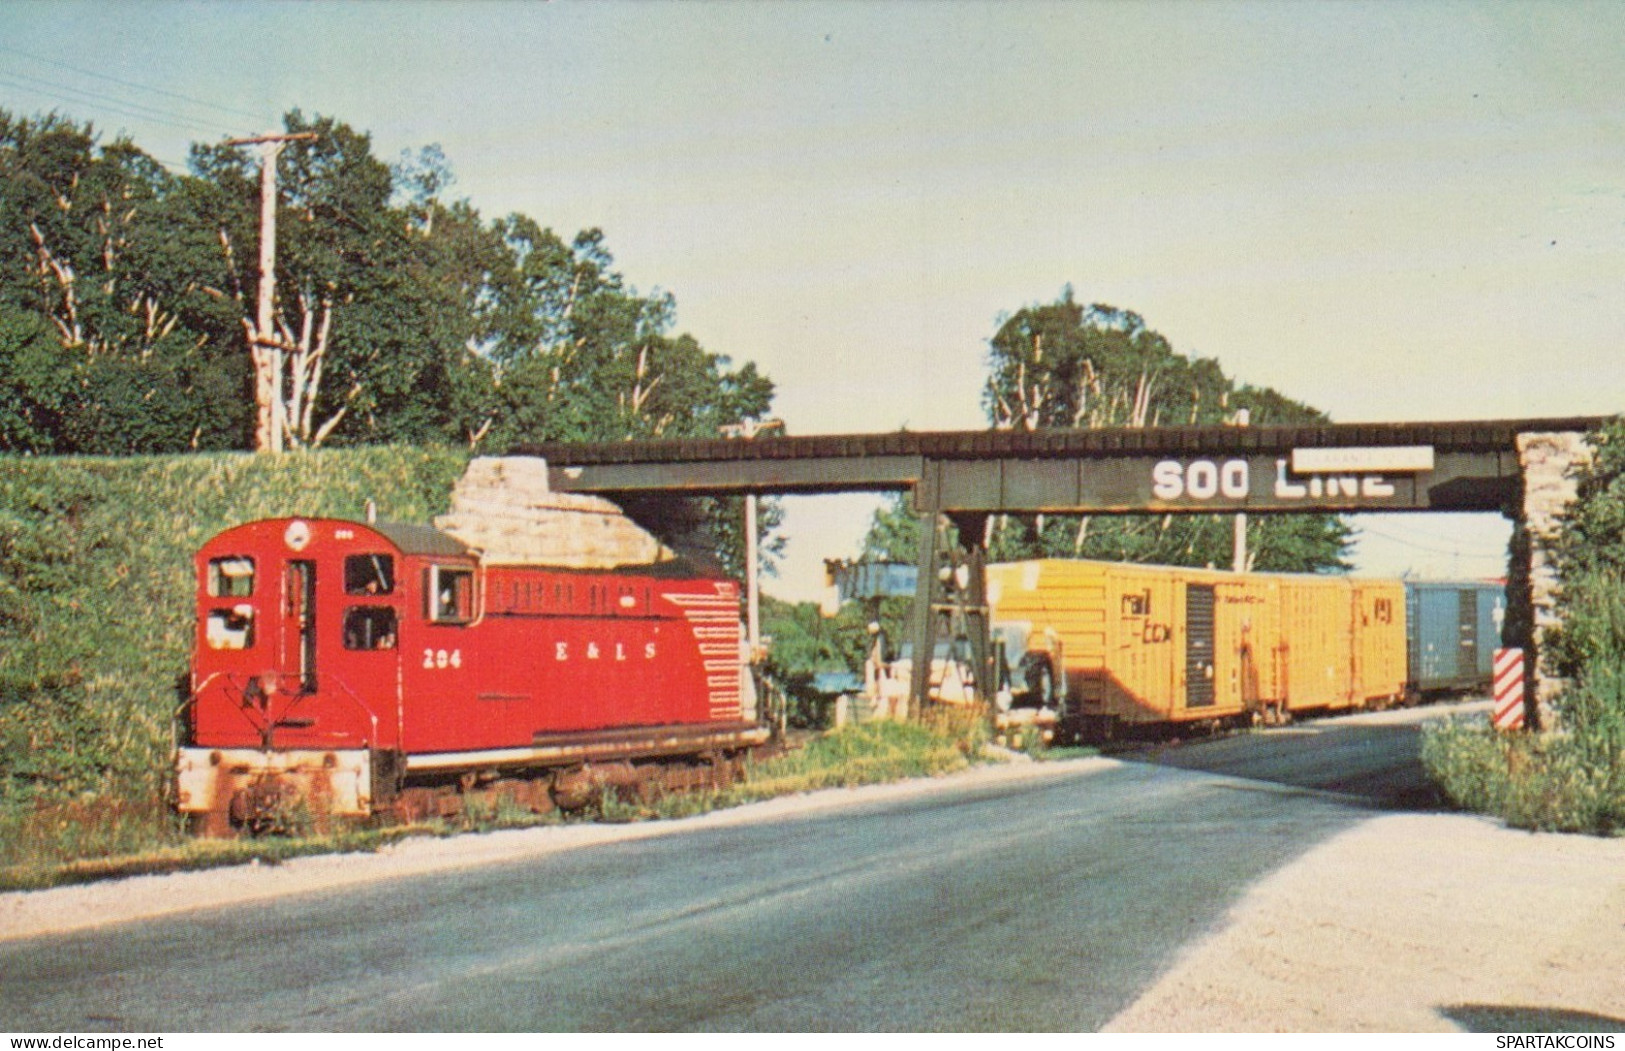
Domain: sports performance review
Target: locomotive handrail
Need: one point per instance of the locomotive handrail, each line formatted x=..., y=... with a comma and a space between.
x=170, y=790
x=300, y=698
x=180, y=710
x=241, y=709
x=482, y=574
x=191, y=700
x=368, y=712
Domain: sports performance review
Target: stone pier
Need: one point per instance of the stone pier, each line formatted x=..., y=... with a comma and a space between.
x=1551, y=462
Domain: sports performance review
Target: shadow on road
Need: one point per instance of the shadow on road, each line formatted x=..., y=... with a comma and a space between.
x=1375, y=758
x=1496, y=1018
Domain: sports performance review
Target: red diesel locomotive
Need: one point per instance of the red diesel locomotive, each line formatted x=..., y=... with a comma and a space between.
x=351, y=666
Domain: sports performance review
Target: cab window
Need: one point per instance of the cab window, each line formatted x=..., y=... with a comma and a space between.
x=230, y=629
x=449, y=595
x=231, y=577
x=369, y=574
x=369, y=628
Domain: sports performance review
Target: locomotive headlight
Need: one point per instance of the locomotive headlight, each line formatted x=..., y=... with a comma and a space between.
x=297, y=535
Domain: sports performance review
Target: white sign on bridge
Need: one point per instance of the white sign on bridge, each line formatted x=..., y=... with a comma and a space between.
x=1398, y=458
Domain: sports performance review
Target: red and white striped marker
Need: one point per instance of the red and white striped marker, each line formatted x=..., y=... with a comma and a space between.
x=1508, y=690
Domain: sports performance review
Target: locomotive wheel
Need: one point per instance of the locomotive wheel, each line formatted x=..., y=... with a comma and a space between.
x=262, y=807
x=211, y=824
x=586, y=785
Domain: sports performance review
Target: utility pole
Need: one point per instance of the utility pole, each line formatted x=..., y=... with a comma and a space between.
x=753, y=599
x=266, y=348
x=1238, y=548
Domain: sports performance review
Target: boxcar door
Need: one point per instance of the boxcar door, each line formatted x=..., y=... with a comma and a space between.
x=1199, y=672
x=1467, y=653
x=298, y=634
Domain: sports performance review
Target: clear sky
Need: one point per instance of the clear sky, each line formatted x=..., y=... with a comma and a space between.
x=1391, y=211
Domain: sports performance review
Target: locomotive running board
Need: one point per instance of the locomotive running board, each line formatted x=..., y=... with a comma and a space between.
x=599, y=745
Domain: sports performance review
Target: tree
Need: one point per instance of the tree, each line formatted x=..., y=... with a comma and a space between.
x=576, y=354
x=1589, y=648
x=579, y=355
x=99, y=244
x=380, y=286
x=70, y=211
x=34, y=390
x=1065, y=365
x=128, y=303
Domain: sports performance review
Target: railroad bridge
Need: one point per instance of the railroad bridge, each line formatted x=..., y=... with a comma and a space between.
x=1520, y=468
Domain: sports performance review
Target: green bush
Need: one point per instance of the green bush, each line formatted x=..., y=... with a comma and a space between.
x=1549, y=782
x=1591, y=651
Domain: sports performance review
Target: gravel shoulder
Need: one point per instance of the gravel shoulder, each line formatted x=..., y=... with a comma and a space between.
x=1413, y=923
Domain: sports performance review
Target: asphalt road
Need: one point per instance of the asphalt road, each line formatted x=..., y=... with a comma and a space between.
x=1371, y=757
x=1043, y=905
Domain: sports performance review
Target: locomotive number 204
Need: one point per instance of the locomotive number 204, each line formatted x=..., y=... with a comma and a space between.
x=442, y=659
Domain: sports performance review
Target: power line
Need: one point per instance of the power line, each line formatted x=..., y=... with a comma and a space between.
x=139, y=108
x=1453, y=551
x=132, y=84
x=1432, y=549
x=1414, y=529
x=80, y=97
x=167, y=162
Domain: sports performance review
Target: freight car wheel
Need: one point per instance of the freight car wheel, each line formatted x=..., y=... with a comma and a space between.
x=1038, y=677
x=1042, y=685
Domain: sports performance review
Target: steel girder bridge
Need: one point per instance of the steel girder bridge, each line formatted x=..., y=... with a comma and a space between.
x=962, y=477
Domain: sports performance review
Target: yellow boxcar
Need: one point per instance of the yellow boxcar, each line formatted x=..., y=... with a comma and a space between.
x=1380, y=670
x=1137, y=644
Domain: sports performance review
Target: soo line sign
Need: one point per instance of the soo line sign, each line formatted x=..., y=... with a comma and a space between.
x=1309, y=474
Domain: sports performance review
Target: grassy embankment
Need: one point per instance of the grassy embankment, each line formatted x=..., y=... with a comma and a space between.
x=95, y=625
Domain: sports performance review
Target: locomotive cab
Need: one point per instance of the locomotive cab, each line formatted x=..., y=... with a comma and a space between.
x=296, y=675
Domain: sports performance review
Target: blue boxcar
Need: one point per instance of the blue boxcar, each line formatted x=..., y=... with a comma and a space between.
x=1452, y=629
